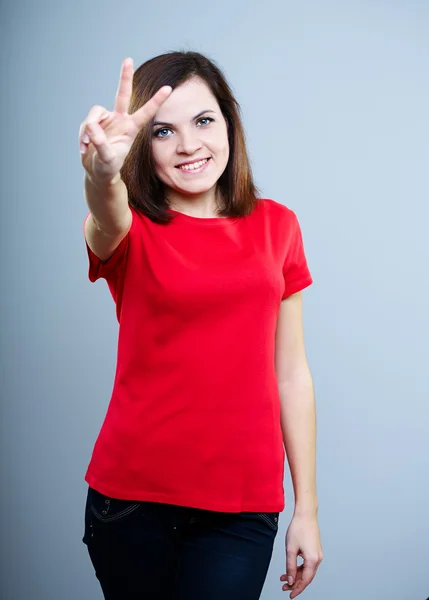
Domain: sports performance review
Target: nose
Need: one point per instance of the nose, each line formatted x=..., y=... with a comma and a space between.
x=188, y=143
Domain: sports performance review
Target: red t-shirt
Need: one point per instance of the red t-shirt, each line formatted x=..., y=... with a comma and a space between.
x=194, y=416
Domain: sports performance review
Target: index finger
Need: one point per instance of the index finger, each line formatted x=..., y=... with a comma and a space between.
x=123, y=94
x=143, y=115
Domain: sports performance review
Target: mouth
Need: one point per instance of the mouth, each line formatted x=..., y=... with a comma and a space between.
x=194, y=167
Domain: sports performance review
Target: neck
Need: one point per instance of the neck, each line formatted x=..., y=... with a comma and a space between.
x=204, y=205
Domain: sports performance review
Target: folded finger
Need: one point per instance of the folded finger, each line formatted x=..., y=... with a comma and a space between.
x=97, y=114
x=307, y=576
x=82, y=145
x=296, y=581
x=98, y=138
x=309, y=572
x=83, y=136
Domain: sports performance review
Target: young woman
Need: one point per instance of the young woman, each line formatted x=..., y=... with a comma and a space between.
x=212, y=383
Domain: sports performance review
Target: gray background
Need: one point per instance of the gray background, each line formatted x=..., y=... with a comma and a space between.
x=335, y=103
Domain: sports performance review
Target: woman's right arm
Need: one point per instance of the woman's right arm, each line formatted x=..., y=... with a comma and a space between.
x=110, y=218
x=105, y=140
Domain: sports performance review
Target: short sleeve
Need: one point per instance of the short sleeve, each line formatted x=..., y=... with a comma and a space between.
x=111, y=268
x=296, y=273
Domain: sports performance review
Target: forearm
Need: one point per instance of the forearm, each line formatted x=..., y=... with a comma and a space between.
x=108, y=203
x=298, y=422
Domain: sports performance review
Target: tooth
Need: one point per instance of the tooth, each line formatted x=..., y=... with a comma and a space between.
x=193, y=166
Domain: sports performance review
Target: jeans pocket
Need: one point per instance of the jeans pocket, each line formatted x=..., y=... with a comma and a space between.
x=270, y=518
x=107, y=509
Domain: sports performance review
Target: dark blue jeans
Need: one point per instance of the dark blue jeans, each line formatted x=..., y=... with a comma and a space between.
x=153, y=551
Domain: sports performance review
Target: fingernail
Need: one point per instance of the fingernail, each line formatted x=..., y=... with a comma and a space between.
x=82, y=148
x=290, y=580
x=85, y=138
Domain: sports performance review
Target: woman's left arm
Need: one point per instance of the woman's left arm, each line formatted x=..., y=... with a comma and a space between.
x=298, y=422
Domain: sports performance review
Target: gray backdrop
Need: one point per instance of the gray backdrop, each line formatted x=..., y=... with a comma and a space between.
x=335, y=102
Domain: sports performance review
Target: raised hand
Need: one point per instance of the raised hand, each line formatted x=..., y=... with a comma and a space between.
x=105, y=137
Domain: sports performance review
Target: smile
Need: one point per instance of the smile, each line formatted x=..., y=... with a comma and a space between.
x=195, y=167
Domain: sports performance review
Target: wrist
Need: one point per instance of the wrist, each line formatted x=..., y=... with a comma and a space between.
x=307, y=508
x=104, y=183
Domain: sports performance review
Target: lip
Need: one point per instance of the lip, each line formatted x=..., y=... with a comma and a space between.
x=191, y=162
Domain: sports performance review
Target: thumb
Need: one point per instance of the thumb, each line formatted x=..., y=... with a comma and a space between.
x=291, y=564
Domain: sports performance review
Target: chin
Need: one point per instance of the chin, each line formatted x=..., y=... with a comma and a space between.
x=198, y=187
x=194, y=191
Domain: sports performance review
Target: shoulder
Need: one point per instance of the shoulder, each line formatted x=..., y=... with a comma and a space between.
x=280, y=213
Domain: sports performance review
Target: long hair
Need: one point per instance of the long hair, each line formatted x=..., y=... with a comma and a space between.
x=145, y=190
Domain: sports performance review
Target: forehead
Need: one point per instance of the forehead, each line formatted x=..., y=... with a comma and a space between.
x=187, y=100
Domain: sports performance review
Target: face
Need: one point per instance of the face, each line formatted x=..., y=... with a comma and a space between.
x=189, y=128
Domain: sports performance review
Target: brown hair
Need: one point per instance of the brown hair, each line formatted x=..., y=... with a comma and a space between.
x=145, y=190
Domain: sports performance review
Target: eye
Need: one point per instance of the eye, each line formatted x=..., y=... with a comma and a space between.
x=158, y=131
x=209, y=119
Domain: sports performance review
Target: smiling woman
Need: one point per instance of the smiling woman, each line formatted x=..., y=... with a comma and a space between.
x=200, y=143
x=200, y=120
x=185, y=482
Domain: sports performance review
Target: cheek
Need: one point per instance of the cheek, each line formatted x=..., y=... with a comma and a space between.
x=161, y=153
x=224, y=148
x=224, y=143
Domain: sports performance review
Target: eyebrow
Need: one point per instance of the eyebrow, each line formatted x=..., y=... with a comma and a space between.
x=155, y=123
